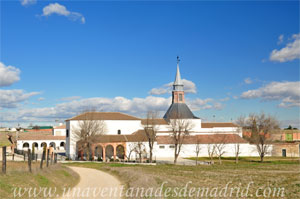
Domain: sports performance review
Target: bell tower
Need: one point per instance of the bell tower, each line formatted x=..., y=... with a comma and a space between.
x=178, y=93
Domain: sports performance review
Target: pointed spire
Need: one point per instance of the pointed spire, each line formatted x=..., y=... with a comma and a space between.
x=178, y=78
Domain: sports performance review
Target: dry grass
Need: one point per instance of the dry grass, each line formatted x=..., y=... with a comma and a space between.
x=274, y=175
x=17, y=175
x=3, y=139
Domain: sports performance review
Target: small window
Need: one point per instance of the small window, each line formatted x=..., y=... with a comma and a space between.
x=283, y=152
x=67, y=133
x=172, y=147
x=119, y=132
x=180, y=97
x=161, y=147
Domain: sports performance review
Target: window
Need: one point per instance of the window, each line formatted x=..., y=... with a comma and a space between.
x=283, y=152
x=161, y=147
x=67, y=133
x=171, y=146
x=119, y=132
x=180, y=97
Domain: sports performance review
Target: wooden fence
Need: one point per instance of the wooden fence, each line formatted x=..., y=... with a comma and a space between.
x=47, y=155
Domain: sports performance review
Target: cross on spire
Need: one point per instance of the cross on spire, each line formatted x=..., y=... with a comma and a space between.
x=178, y=60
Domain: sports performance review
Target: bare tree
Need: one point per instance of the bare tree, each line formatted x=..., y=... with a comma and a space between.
x=197, y=149
x=88, y=128
x=140, y=149
x=237, y=152
x=261, y=127
x=211, y=149
x=151, y=128
x=180, y=129
x=130, y=148
x=220, y=147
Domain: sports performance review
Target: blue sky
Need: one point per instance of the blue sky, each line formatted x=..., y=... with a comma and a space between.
x=58, y=58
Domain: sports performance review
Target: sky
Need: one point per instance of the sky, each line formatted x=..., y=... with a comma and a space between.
x=60, y=58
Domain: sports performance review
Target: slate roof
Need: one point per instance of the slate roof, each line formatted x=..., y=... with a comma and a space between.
x=179, y=110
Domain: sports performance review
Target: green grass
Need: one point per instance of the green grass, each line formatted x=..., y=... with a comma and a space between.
x=248, y=160
x=55, y=176
x=275, y=172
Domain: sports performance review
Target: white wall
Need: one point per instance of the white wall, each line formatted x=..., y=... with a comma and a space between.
x=39, y=142
x=59, y=132
x=188, y=150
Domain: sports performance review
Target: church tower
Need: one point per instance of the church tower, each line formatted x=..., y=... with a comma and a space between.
x=178, y=108
x=178, y=93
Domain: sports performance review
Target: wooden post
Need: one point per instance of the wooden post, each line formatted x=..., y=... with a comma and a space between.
x=48, y=151
x=24, y=156
x=51, y=160
x=55, y=158
x=4, y=159
x=29, y=160
x=42, y=159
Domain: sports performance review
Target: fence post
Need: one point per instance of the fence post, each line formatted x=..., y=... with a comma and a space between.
x=55, y=158
x=4, y=159
x=24, y=156
x=29, y=160
x=42, y=159
x=48, y=150
x=51, y=159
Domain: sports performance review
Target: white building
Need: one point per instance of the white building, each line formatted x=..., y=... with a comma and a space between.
x=123, y=132
x=37, y=140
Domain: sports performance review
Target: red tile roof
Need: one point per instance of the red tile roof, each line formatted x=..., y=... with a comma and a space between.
x=104, y=116
x=60, y=127
x=41, y=137
x=218, y=124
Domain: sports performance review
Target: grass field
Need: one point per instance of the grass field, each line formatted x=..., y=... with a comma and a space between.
x=277, y=176
x=56, y=176
x=3, y=139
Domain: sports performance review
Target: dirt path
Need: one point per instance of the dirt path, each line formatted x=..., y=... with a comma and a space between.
x=94, y=184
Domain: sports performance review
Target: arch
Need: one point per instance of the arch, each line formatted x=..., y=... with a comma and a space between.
x=35, y=145
x=26, y=145
x=43, y=144
x=109, y=152
x=52, y=144
x=120, y=151
x=62, y=144
x=99, y=152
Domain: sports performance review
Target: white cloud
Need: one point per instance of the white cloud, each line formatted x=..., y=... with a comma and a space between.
x=70, y=98
x=287, y=92
x=56, y=8
x=290, y=52
x=8, y=75
x=280, y=39
x=11, y=98
x=248, y=80
x=41, y=99
x=27, y=2
x=135, y=106
x=225, y=99
x=189, y=87
x=202, y=104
